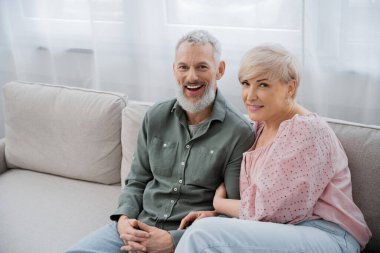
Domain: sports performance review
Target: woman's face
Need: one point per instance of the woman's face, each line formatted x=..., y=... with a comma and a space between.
x=265, y=99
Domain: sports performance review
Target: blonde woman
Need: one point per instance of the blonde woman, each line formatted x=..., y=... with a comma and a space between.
x=295, y=183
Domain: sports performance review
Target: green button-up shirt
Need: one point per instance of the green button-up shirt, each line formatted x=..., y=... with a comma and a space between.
x=173, y=173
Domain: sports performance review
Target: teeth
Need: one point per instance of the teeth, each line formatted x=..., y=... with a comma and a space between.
x=193, y=86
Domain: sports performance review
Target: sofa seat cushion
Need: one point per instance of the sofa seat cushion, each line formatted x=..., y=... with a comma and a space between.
x=51, y=213
x=66, y=131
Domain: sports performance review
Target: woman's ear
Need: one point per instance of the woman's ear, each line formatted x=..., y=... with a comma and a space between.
x=221, y=69
x=292, y=88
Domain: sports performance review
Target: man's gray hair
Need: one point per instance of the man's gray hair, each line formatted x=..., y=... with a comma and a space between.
x=202, y=37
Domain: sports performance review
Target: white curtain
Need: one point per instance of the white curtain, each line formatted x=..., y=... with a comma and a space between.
x=128, y=46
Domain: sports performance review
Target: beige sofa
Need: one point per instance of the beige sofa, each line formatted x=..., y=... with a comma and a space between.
x=66, y=150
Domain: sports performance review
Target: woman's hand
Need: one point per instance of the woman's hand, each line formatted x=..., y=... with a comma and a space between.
x=221, y=192
x=223, y=205
x=193, y=216
x=220, y=195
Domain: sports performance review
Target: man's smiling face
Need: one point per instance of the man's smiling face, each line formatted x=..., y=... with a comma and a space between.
x=196, y=72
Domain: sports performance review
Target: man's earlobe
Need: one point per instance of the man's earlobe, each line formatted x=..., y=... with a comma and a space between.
x=221, y=69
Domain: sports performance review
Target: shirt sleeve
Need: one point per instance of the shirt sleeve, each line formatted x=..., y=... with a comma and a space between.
x=232, y=171
x=293, y=174
x=130, y=200
x=176, y=236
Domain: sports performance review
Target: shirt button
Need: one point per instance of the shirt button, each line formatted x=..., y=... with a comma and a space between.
x=187, y=146
x=164, y=145
x=166, y=216
x=171, y=201
x=175, y=189
x=180, y=181
x=183, y=163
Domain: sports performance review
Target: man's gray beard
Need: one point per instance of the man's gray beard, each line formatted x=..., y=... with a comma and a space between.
x=186, y=104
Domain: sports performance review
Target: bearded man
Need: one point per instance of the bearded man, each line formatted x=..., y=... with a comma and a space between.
x=186, y=148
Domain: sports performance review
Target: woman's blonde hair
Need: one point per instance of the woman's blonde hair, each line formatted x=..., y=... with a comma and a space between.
x=271, y=60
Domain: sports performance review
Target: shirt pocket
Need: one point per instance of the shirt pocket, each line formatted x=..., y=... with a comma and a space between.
x=162, y=156
x=205, y=167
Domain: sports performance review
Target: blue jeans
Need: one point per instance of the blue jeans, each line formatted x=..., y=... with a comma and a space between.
x=104, y=240
x=233, y=235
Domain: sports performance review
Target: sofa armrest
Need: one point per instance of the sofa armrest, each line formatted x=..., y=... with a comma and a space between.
x=3, y=165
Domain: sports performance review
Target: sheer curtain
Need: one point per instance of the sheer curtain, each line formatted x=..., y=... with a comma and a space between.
x=342, y=59
x=128, y=46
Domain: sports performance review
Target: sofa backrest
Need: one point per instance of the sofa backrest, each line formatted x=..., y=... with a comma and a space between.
x=133, y=116
x=66, y=131
x=362, y=146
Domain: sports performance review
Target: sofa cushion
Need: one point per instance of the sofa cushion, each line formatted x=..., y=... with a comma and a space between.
x=67, y=131
x=51, y=213
x=133, y=116
x=362, y=145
